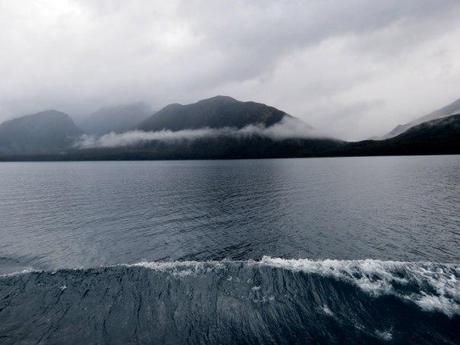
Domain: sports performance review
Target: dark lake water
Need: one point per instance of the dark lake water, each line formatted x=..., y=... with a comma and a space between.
x=78, y=214
x=231, y=219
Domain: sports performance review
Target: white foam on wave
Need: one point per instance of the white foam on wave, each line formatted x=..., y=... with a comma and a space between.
x=384, y=335
x=180, y=268
x=432, y=286
x=16, y=273
x=326, y=310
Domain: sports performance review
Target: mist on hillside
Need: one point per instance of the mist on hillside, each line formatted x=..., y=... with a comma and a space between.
x=288, y=128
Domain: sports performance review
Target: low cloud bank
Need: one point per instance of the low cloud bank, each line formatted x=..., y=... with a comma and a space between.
x=287, y=129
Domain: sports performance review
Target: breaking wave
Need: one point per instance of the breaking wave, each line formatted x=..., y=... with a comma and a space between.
x=271, y=301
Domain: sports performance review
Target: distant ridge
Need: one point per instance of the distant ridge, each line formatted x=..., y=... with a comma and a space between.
x=52, y=135
x=117, y=119
x=215, y=112
x=43, y=132
x=451, y=109
x=438, y=136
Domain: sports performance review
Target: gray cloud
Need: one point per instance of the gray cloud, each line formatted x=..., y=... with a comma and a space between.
x=318, y=60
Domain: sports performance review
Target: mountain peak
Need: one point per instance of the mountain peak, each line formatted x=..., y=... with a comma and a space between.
x=41, y=115
x=219, y=98
x=215, y=112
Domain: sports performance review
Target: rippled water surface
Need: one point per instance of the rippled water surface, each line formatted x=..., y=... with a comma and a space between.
x=231, y=252
x=86, y=214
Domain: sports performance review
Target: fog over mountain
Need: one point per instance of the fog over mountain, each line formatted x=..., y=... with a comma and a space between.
x=117, y=119
x=214, y=112
x=288, y=128
x=219, y=116
x=220, y=127
x=354, y=68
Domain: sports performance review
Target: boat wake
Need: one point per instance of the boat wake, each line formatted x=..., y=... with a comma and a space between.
x=271, y=301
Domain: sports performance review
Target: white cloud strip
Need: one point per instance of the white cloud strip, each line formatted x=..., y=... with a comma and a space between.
x=288, y=128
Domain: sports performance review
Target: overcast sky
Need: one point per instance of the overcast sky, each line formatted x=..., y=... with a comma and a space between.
x=352, y=67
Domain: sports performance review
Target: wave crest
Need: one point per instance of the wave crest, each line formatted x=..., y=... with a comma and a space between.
x=432, y=286
x=272, y=301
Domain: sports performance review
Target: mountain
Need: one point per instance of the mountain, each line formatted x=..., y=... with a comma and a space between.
x=115, y=119
x=44, y=132
x=439, y=136
x=52, y=135
x=450, y=109
x=215, y=112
